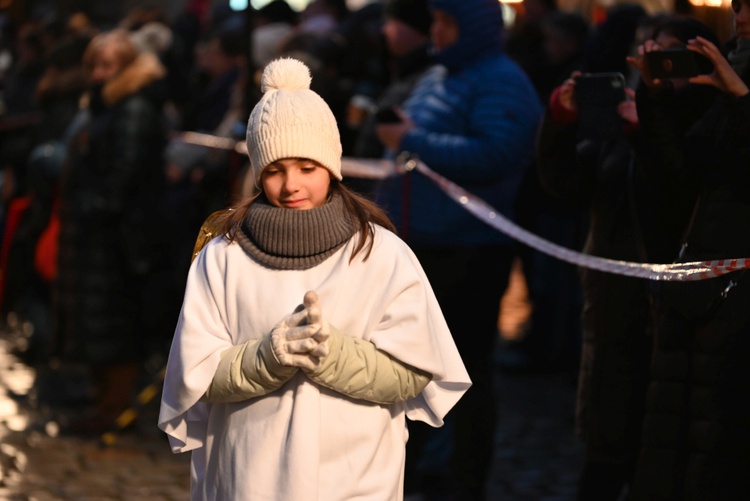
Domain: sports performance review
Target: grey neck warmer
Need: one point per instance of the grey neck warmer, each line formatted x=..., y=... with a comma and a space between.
x=288, y=239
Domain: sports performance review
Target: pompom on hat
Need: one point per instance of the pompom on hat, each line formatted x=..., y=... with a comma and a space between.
x=291, y=121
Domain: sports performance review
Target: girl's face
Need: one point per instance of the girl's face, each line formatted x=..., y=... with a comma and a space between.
x=296, y=183
x=741, y=10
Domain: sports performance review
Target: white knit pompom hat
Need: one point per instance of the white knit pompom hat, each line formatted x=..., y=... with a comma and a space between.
x=291, y=121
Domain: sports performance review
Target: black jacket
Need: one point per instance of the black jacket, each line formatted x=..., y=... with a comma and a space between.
x=109, y=212
x=696, y=441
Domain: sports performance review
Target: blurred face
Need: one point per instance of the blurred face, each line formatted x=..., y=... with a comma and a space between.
x=296, y=183
x=669, y=41
x=212, y=59
x=444, y=30
x=106, y=64
x=741, y=10
x=400, y=37
x=557, y=47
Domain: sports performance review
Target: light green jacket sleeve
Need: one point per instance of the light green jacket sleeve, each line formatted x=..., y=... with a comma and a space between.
x=247, y=370
x=356, y=368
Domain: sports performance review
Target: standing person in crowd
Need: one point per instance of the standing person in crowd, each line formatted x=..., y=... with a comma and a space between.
x=696, y=434
x=406, y=30
x=473, y=119
x=109, y=237
x=552, y=335
x=26, y=289
x=277, y=396
x=614, y=39
x=17, y=109
x=199, y=178
x=632, y=217
x=525, y=43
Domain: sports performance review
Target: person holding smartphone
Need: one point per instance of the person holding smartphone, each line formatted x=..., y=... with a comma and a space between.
x=696, y=432
x=472, y=118
x=633, y=217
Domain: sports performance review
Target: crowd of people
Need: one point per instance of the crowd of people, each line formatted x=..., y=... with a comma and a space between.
x=104, y=193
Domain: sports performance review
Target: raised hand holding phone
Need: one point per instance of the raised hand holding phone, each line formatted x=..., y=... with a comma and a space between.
x=677, y=63
x=723, y=77
x=597, y=97
x=639, y=62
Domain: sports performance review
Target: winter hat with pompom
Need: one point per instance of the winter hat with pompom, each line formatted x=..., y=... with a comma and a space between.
x=291, y=121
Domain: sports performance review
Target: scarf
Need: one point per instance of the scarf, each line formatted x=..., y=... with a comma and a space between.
x=739, y=58
x=288, y=239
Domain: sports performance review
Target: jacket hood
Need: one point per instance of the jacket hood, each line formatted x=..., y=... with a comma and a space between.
x=480, y=24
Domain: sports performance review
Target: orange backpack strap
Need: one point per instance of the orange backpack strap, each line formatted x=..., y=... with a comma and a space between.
x=211, y=228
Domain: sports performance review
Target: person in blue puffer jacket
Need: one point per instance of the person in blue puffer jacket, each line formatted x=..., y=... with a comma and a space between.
x=472, y=118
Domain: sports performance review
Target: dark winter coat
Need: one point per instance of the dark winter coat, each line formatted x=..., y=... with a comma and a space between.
x=109, y=206
x=624, y=225
x=696, y=441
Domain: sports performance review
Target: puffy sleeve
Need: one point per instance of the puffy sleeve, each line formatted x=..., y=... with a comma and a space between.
x=412, y=329
x=201, y=336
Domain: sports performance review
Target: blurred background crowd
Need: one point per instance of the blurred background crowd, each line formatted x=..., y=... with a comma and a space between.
x=119, y=126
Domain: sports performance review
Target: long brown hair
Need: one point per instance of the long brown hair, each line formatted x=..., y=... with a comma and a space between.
x=363, y=211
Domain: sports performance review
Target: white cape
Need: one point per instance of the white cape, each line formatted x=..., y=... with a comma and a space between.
x=304, y=442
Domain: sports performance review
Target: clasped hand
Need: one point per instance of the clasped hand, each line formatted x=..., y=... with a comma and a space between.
x=723, y=77
x=301, y=338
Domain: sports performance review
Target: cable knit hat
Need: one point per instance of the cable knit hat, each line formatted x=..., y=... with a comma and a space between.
x=291, y=121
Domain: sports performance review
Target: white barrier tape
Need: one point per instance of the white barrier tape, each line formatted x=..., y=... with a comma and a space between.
x=698, y=270
x=367, y=168
x=210, y=141
x=380, y=169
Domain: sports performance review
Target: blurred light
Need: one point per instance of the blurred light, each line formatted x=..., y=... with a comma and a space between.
x=17, y=423
x=238, y=4
x=711, y=3
x=509, y=15
x=8, y=408
x=297, y=5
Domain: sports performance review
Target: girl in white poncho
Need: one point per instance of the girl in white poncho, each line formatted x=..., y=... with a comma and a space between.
x=308, y=331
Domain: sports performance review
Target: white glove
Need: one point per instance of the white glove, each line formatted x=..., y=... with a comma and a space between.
x=355, y=367
x=292, y=340
x=322, y=328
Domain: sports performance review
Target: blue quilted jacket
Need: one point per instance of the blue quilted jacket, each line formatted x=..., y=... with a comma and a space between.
x=476, y=118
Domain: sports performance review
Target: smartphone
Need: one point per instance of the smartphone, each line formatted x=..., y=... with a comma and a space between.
x=597, y=96
x=387, y=116
x=677, y=63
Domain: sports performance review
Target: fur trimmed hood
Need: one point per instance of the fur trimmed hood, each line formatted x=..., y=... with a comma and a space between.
x=144, y=70
x=153, y=37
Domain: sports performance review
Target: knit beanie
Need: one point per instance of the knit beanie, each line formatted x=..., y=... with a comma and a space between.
x=291, y=121
x=415, y=13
